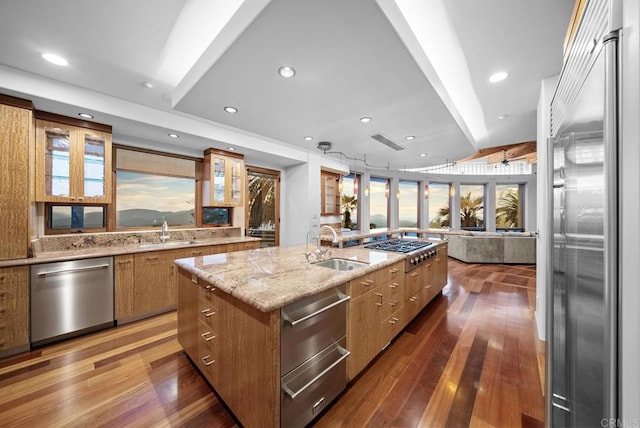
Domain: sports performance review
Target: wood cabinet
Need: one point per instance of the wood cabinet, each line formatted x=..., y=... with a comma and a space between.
x=16, y=141
x=235, y=346
x=73, y=163
x=373, y=311
x=223, y=179
x=330, y=193
x=14, y=309
x=145, y=283
x=124, y=281
x=441, y=267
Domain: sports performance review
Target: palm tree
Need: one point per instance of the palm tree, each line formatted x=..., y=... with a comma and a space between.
x=262, y=193
x=441, y=220
x=349, y=203
x=508, y=210
x=469, y=210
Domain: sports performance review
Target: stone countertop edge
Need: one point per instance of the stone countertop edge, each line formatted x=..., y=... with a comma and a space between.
x=89, y=253
x=271, y=278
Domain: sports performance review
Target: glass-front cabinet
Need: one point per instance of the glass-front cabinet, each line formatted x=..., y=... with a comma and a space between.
x=223, y=181
x=73, y=164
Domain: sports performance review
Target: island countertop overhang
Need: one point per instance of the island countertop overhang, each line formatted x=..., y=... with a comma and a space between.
x=270, y=278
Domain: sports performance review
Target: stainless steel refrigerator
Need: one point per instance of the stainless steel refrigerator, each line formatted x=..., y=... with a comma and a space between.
x=582, y=306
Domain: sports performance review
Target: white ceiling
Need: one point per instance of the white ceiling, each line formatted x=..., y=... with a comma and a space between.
x=353, y=58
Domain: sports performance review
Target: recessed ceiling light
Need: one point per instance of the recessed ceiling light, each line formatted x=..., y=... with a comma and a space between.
x=230, y=109
x=308, y=138
x=286, y=71
x=147, y=85
x=365, y=119
x=86, y=115
x=55, y=59
x=498, y=77
x=410, y=137
x=173, y=135
x=503, y=116
x=231, y=149
x=422, y=155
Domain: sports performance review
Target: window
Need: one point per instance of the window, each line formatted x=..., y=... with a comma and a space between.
x=378, y=202
x=509, y=212
x=216, y=216
x=472, y=206
x=439, y=203
x=146, y=200
x=408, y=204
x=152, y=188
x=349, y=201
x=75, y=218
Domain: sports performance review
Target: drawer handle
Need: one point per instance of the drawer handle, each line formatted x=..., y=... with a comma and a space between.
x=288, y=321
x=427, y=286
x=393, y=285
x=394, y=303
x=381, y=298
x=415, y=274
x=196, y=253
x=206, y=337
x=152, y=257
x=393, y=320
x=317, y=405
x=124, y=262
x=292, y=395
x=413, y=299
x=394, y=270
x=209, y=288
x=208, y=312
x=207, y=363
x=367, y=282
x=80, y=269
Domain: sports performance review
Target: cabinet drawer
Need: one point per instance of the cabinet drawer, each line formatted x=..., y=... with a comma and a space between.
x=308, y=389
x=208, y=294
x=362, y=285
x=208, y=353
x=310, y=325
x=14, y=282
x=393, y=325
x=208, y=339
x=391, y=273
x=208, y=314
x=14, y=322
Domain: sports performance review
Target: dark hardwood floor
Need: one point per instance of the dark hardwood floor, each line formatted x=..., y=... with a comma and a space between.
x=469, y=359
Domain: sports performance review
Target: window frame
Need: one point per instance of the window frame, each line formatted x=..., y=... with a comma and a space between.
x=521, y=208
x=387, y=183
x=484, y=207
x=449, y=201
x=48, y=206
x=417, y=200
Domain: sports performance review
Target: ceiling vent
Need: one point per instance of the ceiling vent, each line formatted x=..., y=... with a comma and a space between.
x=387, y=142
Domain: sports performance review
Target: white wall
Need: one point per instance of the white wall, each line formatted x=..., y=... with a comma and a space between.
x=543, y=245
x=629, y=333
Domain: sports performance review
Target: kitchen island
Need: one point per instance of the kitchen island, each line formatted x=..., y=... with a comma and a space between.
x=233, y=310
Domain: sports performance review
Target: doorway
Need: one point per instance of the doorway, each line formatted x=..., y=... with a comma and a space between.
x=262, y=216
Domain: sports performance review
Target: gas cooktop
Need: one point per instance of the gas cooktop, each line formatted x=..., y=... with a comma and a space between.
x=398, y=245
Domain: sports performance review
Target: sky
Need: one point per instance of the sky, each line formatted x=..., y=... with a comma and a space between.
x=153, y=192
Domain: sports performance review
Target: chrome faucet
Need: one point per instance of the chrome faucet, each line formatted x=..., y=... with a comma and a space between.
x=165, y=232
x=319, y=251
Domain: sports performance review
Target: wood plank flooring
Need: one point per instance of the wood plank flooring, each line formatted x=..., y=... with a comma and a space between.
x=468, y=359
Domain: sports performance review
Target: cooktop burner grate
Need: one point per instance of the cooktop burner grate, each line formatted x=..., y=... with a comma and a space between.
x=398, y=245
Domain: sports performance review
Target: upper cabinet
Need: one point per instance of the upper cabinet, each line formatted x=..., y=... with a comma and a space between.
x=223, y=179
x=330, y=192
x=73, y=163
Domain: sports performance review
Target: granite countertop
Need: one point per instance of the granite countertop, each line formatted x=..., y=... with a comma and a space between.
x=270, y=278
x=87, y=253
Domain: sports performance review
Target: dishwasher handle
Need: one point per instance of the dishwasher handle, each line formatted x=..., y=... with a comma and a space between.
x=79, y=269
x=291, y=323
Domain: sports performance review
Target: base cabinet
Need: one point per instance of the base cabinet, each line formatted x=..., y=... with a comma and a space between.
x=146, y=283
x=377, y=304
x=14, y=309
x=235, y=346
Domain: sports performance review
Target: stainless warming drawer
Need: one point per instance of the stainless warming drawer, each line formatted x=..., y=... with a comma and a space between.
x=69, y=298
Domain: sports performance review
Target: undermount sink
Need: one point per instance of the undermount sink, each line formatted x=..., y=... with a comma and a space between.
x=341, y=264
x=166, y=244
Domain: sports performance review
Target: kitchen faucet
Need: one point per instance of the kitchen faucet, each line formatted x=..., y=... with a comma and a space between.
x=319, y=252
x=165, y=231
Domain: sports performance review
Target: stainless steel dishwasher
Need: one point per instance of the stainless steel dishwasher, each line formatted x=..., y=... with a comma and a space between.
x=70, y=298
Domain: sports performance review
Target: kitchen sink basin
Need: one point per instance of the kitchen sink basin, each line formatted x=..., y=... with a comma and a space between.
x=341, y=264
x=166, y=244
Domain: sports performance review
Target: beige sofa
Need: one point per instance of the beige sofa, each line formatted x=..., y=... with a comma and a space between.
x=488, y=247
